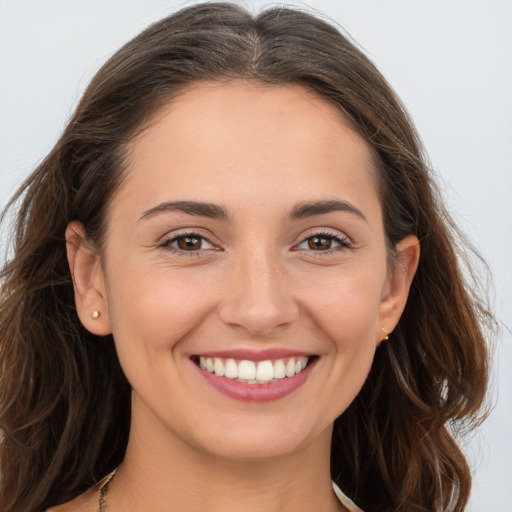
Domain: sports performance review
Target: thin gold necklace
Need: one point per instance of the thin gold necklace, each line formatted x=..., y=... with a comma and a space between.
x=103, y=490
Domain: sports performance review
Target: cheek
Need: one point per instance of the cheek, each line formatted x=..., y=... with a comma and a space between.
x=348, y=318
x=155, y=308
x=345, y=303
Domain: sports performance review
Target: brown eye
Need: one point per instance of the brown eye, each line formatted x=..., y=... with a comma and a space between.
x=324, y=243
x=319, y=243
x=189, y=242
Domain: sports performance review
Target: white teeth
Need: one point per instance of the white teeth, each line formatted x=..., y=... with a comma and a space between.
x=265, y=371
x=218, y=367
x=290, y=368
x=251, y=372
x=230, y=369
x=279, y=369
x=246, y=370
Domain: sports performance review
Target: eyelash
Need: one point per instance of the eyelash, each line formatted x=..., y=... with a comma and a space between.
x=166, y=244
x=343, y=243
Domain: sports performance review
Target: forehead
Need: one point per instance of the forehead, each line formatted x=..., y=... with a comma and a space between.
x=277, y=140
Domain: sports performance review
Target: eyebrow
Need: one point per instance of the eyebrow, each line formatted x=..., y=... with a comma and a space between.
x=213, y=211
x=304, y=210
x=209, y=210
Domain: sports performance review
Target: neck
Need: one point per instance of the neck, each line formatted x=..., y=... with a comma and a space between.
x=164, y=473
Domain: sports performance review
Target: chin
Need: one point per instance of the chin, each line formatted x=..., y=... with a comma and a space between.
x=260, y=439
x=254, y=449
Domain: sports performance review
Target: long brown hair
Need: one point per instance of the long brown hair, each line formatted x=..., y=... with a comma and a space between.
x=64, y=401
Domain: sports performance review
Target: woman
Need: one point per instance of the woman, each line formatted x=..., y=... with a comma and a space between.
x=234, y=282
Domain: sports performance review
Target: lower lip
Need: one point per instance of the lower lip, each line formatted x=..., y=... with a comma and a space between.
x=256, y=392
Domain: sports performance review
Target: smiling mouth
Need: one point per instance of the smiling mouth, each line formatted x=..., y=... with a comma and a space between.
x=253, y=372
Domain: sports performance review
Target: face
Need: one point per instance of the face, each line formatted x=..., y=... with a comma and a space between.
x=245, y=277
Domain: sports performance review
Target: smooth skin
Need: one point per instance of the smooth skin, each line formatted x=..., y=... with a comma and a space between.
x=290, y=252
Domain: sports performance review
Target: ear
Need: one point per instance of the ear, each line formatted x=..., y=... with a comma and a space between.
x=397, y=286
x=88, y=281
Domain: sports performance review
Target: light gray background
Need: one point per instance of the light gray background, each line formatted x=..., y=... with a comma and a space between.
x=449, y=60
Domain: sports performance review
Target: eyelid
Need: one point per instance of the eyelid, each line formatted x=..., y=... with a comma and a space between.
x=343, y=241
x=169, y=238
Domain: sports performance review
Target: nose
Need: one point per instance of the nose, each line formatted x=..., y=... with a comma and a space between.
x=258, y=295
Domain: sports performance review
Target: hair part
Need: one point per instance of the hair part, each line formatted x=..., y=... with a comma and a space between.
x=64, y=401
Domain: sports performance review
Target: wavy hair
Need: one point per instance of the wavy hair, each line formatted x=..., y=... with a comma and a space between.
x=64, y=401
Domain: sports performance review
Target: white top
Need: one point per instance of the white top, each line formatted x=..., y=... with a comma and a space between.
x=347, y=502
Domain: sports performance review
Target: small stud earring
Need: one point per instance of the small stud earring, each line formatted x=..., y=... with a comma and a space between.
x=95, y=314
x=386, y=335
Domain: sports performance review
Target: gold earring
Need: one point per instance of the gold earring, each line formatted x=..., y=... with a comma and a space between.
x=386, y=335
x=95, y=314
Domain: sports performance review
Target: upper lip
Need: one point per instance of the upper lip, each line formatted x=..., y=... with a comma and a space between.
x=255, y=355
